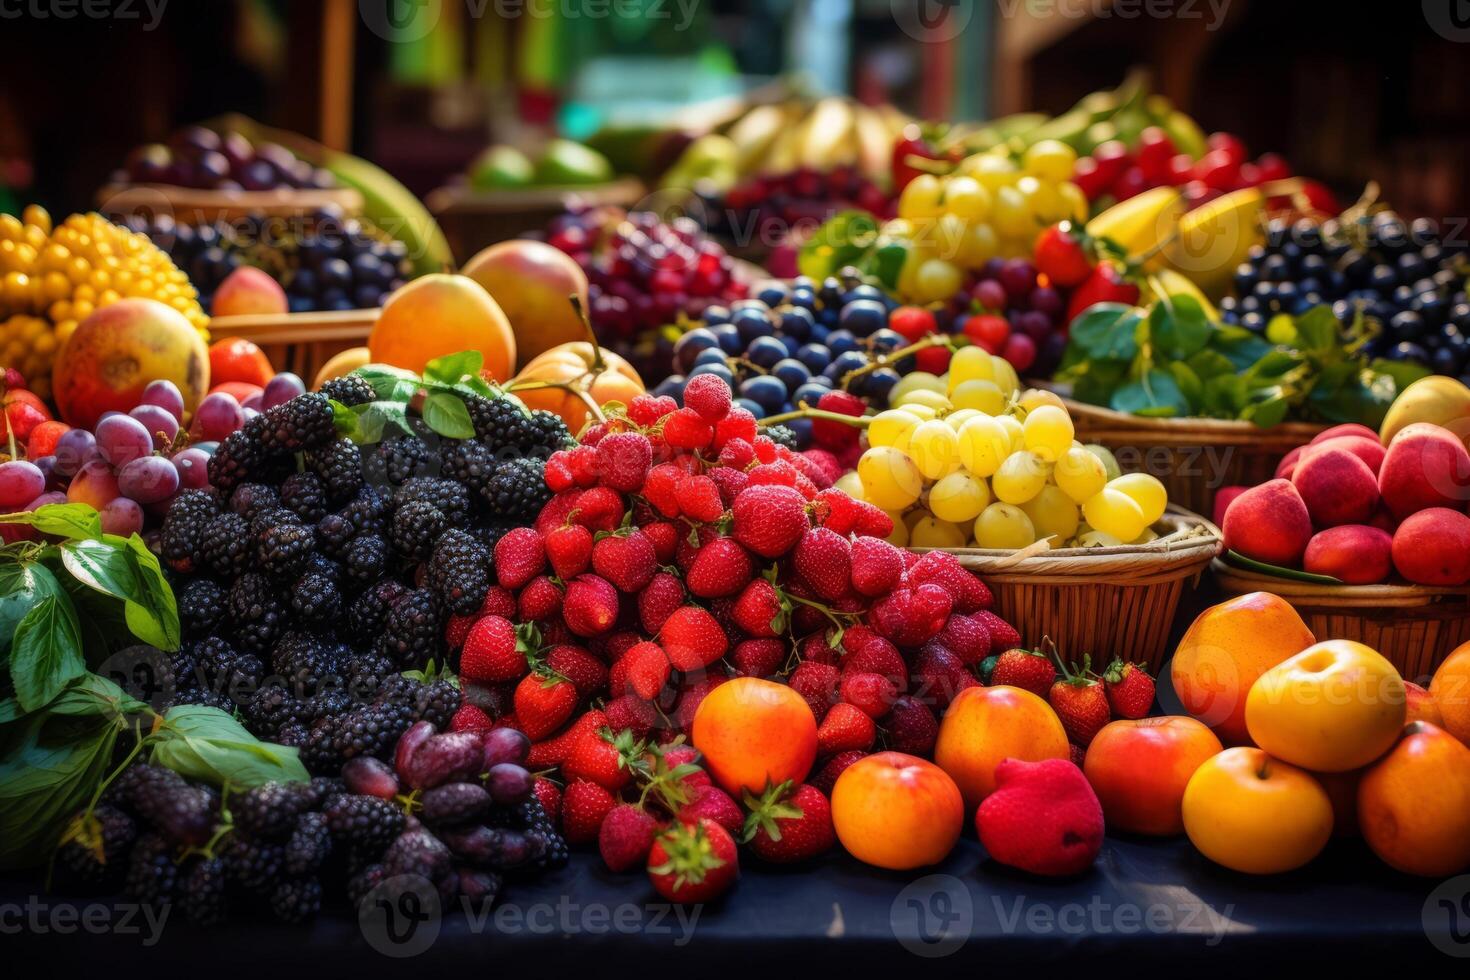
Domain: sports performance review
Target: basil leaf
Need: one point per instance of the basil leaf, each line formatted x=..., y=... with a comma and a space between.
x=22, y=586
x=446, y=414
x=1317, y=330
x=1108, y=331
x=125, y=569
x=49, y=768
x=64, y=520
x=1178, y=327
x=205, y=743
x=451, y=367
x=1155, y=395
x=95, y=695
x=1189, y=384
x=476, y=385
x=887, y=261
x=1266, y=413
x=373, y=418
x=46, y=653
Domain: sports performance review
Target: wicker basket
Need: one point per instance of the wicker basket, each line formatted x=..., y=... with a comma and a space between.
x=473, y=219
x=1193, y=457
x=1414, y=626
x=190, y=206
x=299, y=342
x=1101, y=601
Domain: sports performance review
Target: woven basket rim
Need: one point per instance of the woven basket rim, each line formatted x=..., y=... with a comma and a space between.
x=1107, y=422
x=274, y=202
x=1344, y=596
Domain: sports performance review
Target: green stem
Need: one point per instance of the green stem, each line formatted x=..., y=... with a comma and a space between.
x=856, y=421
x=882, y=360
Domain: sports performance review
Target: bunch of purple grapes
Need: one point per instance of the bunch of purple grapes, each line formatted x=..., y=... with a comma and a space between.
x=197, y=156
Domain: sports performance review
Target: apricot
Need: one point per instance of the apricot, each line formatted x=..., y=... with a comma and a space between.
x=1256, y=814
x=1369, y=450
x=248, y=291
x=754, y=733
x=1420, y=705
x=1425, y=466
x=1139, y=768
x=1432, y=547
x=1223, y=652
x=442, y=314
x=896, y=811
x=1335, y=706
x=1355, y=553
x=1414, y=803
x=533, y=282
x=1269, y=523
x=984, y=725
x=1450, y=688
x=1337, y=487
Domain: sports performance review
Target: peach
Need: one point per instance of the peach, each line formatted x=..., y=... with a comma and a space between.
x=1139, y=769
x=1346, y=429
x=754, y=733
x=896, y=811
x=248, y=291
x=440, y=314
x=533, y=282
x=1421, y=705
x=1432, y=547
x=984, y=725
x=1355, y=553
x=94, y=484
x=1337, y=487
x=1425, y=466
x=1414, y=803
x=1335, y=706
x=1383, y=520
x=1223, y=652
x=1450, y=688
x=1223, y=497
x=1370, y=451
x=1269, y=523
x=1256, y=814
x=1287, y=466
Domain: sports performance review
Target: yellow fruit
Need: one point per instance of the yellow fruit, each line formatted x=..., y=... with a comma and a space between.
x=1114, y=512
x=967, y=364
x=959, y=497
x=1146, y=491
x=1053, y=514
x=1079, y=474
x=982, y=396
x=928, y=399
x=931, y=532
x=1004, y=526
x=917, y=381
x=888, y=426
x=1020, y=477
x=890, y=478
x=921, y=198
x=1048, y=432
x=983, y=443
x=934, y=448
x=966, y=198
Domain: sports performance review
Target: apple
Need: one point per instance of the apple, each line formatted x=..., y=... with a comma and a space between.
x=533, y=282
x=897, y=811
x=1256, y=814
x=1139, y=769
x=984, y=726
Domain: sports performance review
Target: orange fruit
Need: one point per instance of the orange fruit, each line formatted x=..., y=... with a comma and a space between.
x=1450, y=689
x=238, y=359
x=754, y=733
x=897, y=811
x=441, y=314
x=573, y=363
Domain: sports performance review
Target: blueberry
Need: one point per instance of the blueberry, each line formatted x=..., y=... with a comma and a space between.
x=797, y=321
x=1275, y=268
x=803, y=297
x=719, y=370
x=863, y=291
x=791, y=372
x=815, y=356
x=1383, y=277
x=752, y=323
x=773, y=293
x=880, y=383
x=752, y=407
x=849, y=361
x=809, y=392
x=828, y=316
x=689, y=345
x=716, y=315
x=841, y=341
x=886, y=340
x=802, y=429
x=819, y=334
x=1408, y=351
x=831, y=292
x=1406, y=325
x=1253, y=321
x=766, y=391
x=1431, y=306
x=864, y=316
x=1245, y=277
x=765, y=351
x=710, y=355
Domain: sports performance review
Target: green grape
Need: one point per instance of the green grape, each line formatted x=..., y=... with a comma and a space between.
x=1048, y=432
x=983, y=396
x=1004, y=526
x=917, y=381
x=959, y=417
x=927, y=398
x=887, y=427
x=1114, y=512
x=1053, y=514
x=1146, y=491
x=1080, y=474
x=1020, y=477
x=931, y=532
x=983, y=444
x=934, y=448
x=967, y=364
x=851, y=484
x=1005, y=375
x=959, y=497
x=890, y=478
x=1109, y=461
x=1012, y=425
x=1098, y=539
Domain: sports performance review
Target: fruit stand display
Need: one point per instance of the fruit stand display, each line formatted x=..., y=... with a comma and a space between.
x=609, y=562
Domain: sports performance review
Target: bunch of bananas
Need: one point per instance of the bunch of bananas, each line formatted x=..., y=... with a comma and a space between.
x=52, y=278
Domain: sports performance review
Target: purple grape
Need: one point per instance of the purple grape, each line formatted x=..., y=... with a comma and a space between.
x=47, y=466
x=122, y=439
x=454, y=803
x=21, y=482
x=166, y=395
x=159, y=422
x=409, y=743
x=509, y=783
x=990, y=294
x=149, y=480
x=193, y=466
x=282, y=388
x=1018, y=277
x=217, y=416
x=121, y=516
x=505, y=745
x=367, y=776
x=49, y=497
x=1035, y=325
x=251, y=404
x=74, y=448
x=445, y=758
x=1045, y=299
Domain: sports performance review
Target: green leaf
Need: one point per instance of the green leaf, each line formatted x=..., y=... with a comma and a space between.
x=50, y=765
x=476, y=385
x=46, y=653
x=1266, y=413
x=373, y=418
x=1403, y=373
x=1189, y=384
x=886, y=262
x=1241, y=347
x=1210, y=363
x=76, y=521
x=92, y=695
x=205, y=743
x=452, y=367
x=1155, y=395
x=1272, y=366
x=842, y=240
x=1108, y=331
x=344, y=420
x=446, y=414
x=1317, y=330
x=152, y=615
x=22, y=586
x=1178, y=327
x=1234, y=557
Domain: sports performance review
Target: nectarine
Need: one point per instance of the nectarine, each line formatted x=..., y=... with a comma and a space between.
x=896, y=811
x=1432, y=547
x=1337, y=486
x=533, y=282
x=442, y=314
x=755, y=733
x=1139, y=770
x=1256, y=814
x=1414, y=803
x=1425, y=466
x=1355, y=553
x=1269, y=523
x=1450, y=688
x=984, y=725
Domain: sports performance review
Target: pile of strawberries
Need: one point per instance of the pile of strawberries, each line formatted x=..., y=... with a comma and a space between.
x=1084, y=700
x=682, y=548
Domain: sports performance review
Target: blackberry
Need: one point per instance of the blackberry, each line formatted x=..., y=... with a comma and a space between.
x=350, y=390
x=549, y=846
x=369, y=611
x=411, y=631
x=518, y=489
x=333, y=534
x=404, y=458
x=309, y=845
x=183, y=529
x=782, y=436
x=365, y=559
x=255, y=612
x=469, y=462
x=227, y=670
x=226, y=543
x=151, y=871
x=253, y=865
x=281, y=548
x=293, y=735
x=270, y=710
x=319, y=755
x=339, y=466
x=315, y=598
x=269, y=811
x=201, y=892
x=296, y=899
x=319, y=564
x=369, y=510
x=418, y=852
x=330, y=703
x=98, y=855
x=250, y=499
x=490, y=532
x=436, y=702
x=239, y=458
x=182, y=813
x=372, y=729
x=550, y=433
x=459, y=571
x=361, y=882
x=365, y=824
x=446, y=496
x=416, y=526
x=503, y=424
x=365, y=671
x=305, y=663
x=305, y=422
x=305, y=495
x=201, y=607
x=183, y=669
x=206, y=696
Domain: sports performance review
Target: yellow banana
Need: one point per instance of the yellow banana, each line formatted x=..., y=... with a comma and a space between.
x=1141, y=222
x=827, y=135
x=754, y=132
x=1216, y=237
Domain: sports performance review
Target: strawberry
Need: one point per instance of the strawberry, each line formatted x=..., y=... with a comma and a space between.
x=837, y=435
x=691, y=542
x=872, y=520
x=871, y=693
x=1081, y=703
x=693, y=693
x=623, y=460
x=543, y=703
x=820, y=465
x=584, y=806
x=835, y=510
x=738, y=423
x=552, y=751
x=672, y=775
x=692, y=638
x=758, y=658
x=590, y=607
x=499, y=601
x=664, y=594
x=687, y=429
x=458, y=628
x=966, y=638
x=845, y=727
x=876, y=656
x=769, y=520
x=661, y=488
x=540, y=601
x=720, y=568
x=609, y=759
x=1003, y=635
x=495, y=651
x=876, y=566
x=826, y=777
x=646, y=410
x=626, y=835
x=1130, y=689
x=789, y=823
x=776, y=474
x=938, y=676
x=824, y=558
x=625, y=558
x=1030, y=670
x=709, y=396
x=664, y=537
x=911, y=616
x=569, y=549
x=817, y=684
x=557, y=511
x=586, y=672
x=632, y=713
x=736, y=454
x=699, y=498
x=599, y=509
x=911, y=726
x=470, y=719
x=519, y=557
x=693, y=862
x=761, y=610
x=730, y=482
x=945, y=571
x=646, y=669
x=550, y=796
x=712, y=803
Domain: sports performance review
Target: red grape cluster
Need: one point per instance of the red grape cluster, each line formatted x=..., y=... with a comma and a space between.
x=1016, y=313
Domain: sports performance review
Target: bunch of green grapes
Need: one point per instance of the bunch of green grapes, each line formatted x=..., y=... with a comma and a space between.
x=967, y=460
